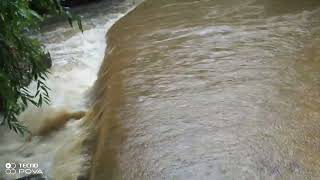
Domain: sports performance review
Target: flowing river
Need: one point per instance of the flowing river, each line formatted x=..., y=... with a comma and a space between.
x=210, y=89
x=187, y=89
x=76, y=56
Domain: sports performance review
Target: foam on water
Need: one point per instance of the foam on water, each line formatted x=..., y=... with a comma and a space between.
x=76, y=60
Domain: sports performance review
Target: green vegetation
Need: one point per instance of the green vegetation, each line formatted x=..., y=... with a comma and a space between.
x=22, y=58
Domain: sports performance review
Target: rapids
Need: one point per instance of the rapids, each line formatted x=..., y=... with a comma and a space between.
x=187, y=89
x=210, y=89
x=76, y=60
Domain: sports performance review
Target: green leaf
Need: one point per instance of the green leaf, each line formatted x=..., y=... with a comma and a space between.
x=80, y=24
x=36, y=15
x=21, y=56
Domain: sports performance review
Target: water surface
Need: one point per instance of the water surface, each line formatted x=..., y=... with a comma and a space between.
x=210, y=89
x=76, y=59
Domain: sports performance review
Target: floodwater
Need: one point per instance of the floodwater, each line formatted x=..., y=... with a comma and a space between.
x=210, y=89
x=60, y=155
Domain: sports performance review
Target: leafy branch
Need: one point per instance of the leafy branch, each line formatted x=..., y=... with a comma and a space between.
x=23, y=59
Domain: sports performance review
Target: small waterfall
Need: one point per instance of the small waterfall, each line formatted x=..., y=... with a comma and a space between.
x=57, y=142
x=203, y=89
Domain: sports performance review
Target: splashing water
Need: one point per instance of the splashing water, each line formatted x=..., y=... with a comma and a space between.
x=76, y=59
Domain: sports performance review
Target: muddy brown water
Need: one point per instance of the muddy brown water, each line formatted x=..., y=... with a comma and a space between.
x=210, y=89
